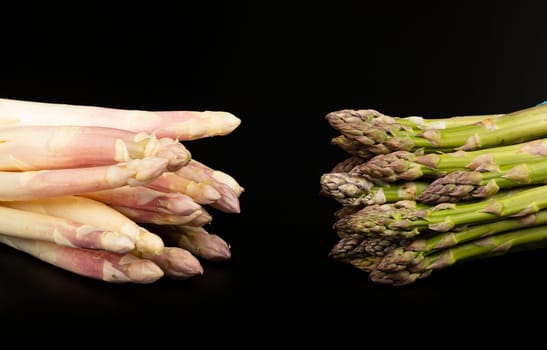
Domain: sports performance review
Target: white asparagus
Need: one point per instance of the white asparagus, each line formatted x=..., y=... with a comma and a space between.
x=200, y=192
x=220, y=176
x=97, y=264
x=30, y=225
x=199, y=242
x=145, y=198
x=30, y=185
x=94, y=213
x=228, y=201
x=178, y=263
x=198, y=218
x=63, y=147
x=181, y=125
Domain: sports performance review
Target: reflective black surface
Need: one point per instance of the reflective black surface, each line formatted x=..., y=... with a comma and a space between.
x=281, y=69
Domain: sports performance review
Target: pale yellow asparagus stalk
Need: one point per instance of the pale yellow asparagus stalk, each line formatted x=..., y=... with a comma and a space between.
x=228, y=201
x=198, y=241
x=220, y=176
x=178, y=263
x=181, y=125
x=200, y=192
x=198, y=218
x=30, y=225
x=30, y=185
x=145, y=198
x=63, y=147
x=97, y=264
x=94, y=213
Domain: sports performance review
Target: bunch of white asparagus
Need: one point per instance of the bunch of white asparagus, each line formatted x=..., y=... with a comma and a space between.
x=82, y=187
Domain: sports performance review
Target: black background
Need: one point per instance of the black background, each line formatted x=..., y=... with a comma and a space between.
x=281, y=69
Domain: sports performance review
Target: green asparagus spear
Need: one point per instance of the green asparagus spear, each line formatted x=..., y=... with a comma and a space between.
x=383, y=136
x=351, y=190
x=358, y=246
x=500, y=244
x=403, y=165
x=405, y=219
x=403, y=257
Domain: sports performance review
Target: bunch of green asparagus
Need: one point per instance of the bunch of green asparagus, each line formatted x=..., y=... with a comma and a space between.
x=421, y=194
x=112, y=194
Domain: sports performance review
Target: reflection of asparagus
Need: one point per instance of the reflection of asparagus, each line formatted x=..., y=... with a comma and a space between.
x=383, y=134
x=403, y=165
x=401, y=219
x=356, y=190
x=415, y=252
x=528, y=238
x=466, y=185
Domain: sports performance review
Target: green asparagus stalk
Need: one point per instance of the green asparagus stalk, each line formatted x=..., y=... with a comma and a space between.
x=486, y=247
x=408, y=166
x=384, y=137
x=351, y=190
x=465, y=185
x=367, y=263
x=405, y=219
x=401, y=258
x=347, y=210
x=358, y=246
x=352, y=147
x=347, y=164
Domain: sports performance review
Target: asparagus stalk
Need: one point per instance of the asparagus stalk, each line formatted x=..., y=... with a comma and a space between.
x=403, y=165
x=385, y=137
x=198, y=241
x=350, y=190
x=228, y=201
x=358, y=246
x=181, y=125
x=145, y=198
x=347, y=210
x=200, y=192
x=352, y=147
x=97, y=264
x=486, y=247
x=404, y=219
x=29, y=225
x=206, y=172
x=401, y=258
x=366, y=264
x=177, y=263
x=347, y=164
x=465, y=185
x=53, y=183
x=85, y=210
x=197, y=218
x=61, y=147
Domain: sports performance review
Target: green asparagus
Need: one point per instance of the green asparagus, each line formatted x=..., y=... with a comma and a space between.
x=503, y=243
x=351, y=190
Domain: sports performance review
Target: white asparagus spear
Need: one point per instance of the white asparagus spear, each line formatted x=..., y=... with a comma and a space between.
x=94, y=213
x=228, y=201
x=63, y=147
x=198, y=218
x=97, y=264
x=26, y=224
x=200, y=192
x=220, y=176
x=182, y=125
x=145, y=198
x=178, y=263
x=198, y=241
x=30, y=185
